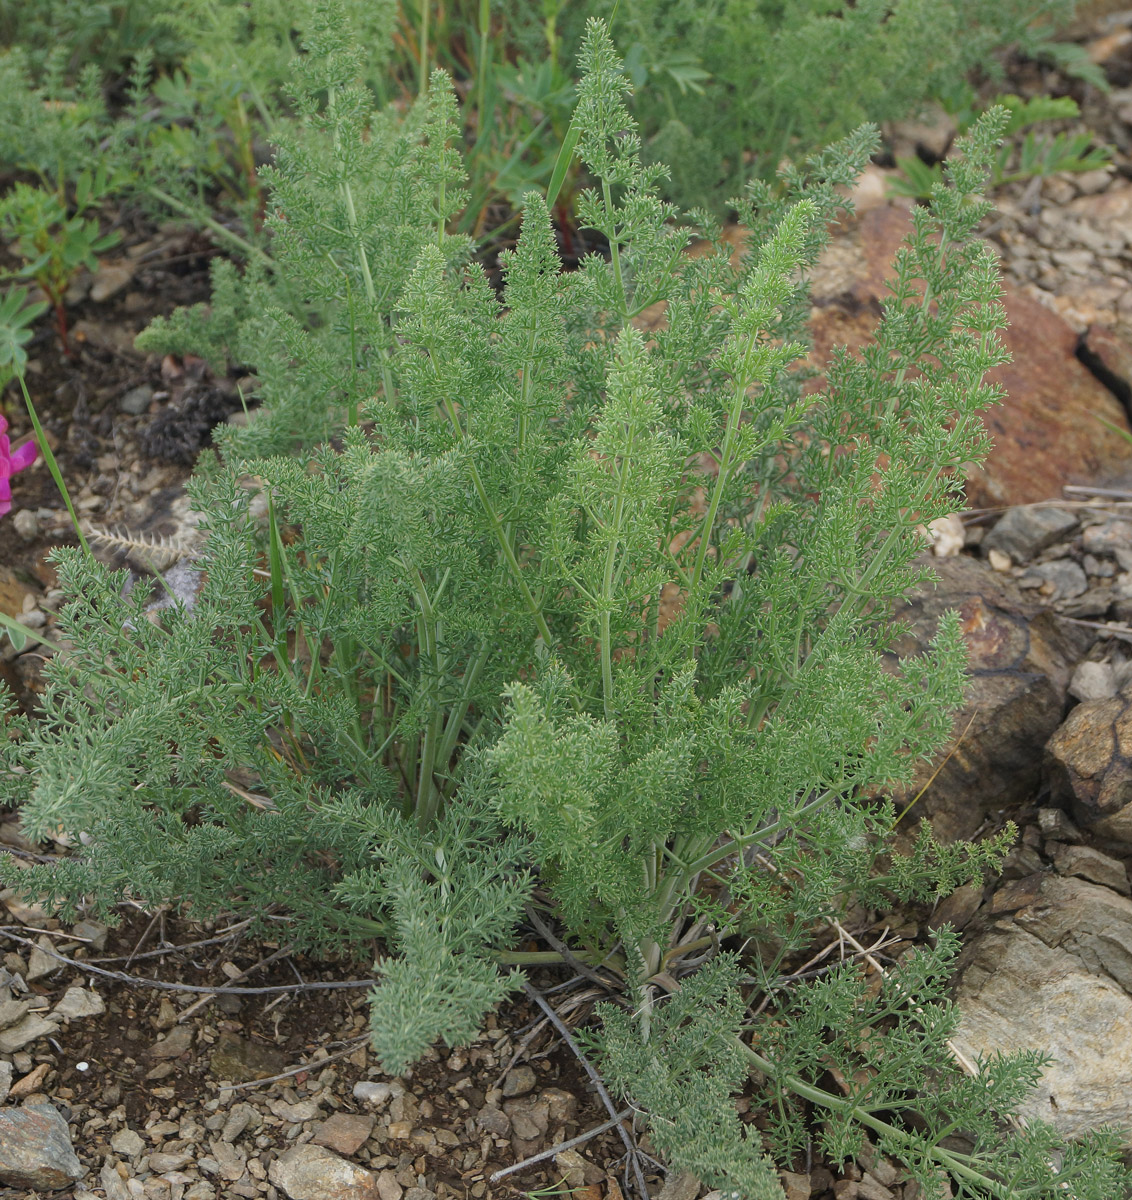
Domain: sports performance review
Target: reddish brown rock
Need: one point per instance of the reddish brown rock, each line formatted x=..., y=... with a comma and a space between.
x=1108, y=354
x=1046, y=433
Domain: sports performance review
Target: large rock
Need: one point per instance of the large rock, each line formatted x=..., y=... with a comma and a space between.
x=1089, y=761
x=1046, y=980
x=1046, y=433
x=314, y=1173
x=35, y=1149
x=1021, y=658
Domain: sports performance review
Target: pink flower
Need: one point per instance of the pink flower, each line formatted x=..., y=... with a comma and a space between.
x=10, y=463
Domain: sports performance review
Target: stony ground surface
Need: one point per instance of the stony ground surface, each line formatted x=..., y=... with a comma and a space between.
x=167, y=1061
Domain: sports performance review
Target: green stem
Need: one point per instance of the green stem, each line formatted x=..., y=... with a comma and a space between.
x=52, y=465
x=946, y=1158
x=499, y=531
x=226, y=235
x=422, y=83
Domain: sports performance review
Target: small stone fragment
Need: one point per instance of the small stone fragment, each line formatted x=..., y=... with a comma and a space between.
x=26, y=524
x=5, y=1080
x=1023, y=531
x=174, y=1044
x=113, y=1184
x=24, y=1032
x=303, y=1110
x=79, y=1002
x=573, y=1168
x=344, y=1133
x=493, y=1120
x=1087, y=863
x=1056, y=825
x=313, y=1173
x=41, y=963
x=162, y=1161
x=32, y=1082
x=999, y=561
x=242, y=1061
x=373, y=1094
x=684, y=1186
x=112, y=277
x=136, y=400
x=35, y=1149
x=387, y=1186
x=12, y=1011
x=796, y=1187
x=93, y=932
x=1061, y=579
x=127, y=1142
x=519, y=1082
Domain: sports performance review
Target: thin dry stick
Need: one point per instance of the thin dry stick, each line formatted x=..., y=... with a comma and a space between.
x=159, y=985
x=581, y=1139
x=571, y=959
x=263, y=962
x=160, y=951
x=595, y=1079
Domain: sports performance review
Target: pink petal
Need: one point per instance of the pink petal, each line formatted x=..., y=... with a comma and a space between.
x=24, y=456
x=5, y=496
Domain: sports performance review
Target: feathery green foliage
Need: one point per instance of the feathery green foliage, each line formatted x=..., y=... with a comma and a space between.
x=496, y=626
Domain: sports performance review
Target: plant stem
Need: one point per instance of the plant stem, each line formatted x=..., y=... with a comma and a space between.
x=233, y=239
x=946, y=1158
x=52, y=465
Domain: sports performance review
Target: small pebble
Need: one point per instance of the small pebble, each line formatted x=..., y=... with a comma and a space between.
x=26, y=524
x=373, y=1094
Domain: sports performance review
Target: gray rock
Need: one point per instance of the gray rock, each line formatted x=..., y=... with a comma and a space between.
x=1018, y=993
x=373, y=1094
x=24, y=1032
x=136, y=400
x=519, y=1082
x=1023, y=532
x=1113, y=535
x=35, y=1149
x=113, y=1184
x=530, y=1117
x=12, y=1011
x=314, y=1173
x=1091, y=922
x=41, y=963
x=684, y=1186
x=1065, y=577
x=174, y=1044
x=94, y=932
x=127, y=1142
x=5, y=1080
x=26, y=524
x=494, y=1120
x=1093, y=681
x=79, y=1002
x=1091, y=864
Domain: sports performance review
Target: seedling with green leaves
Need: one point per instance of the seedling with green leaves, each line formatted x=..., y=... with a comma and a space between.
x=570, y=619
x=55, y=239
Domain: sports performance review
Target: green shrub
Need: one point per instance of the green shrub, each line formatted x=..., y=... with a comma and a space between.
x=455, y=677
